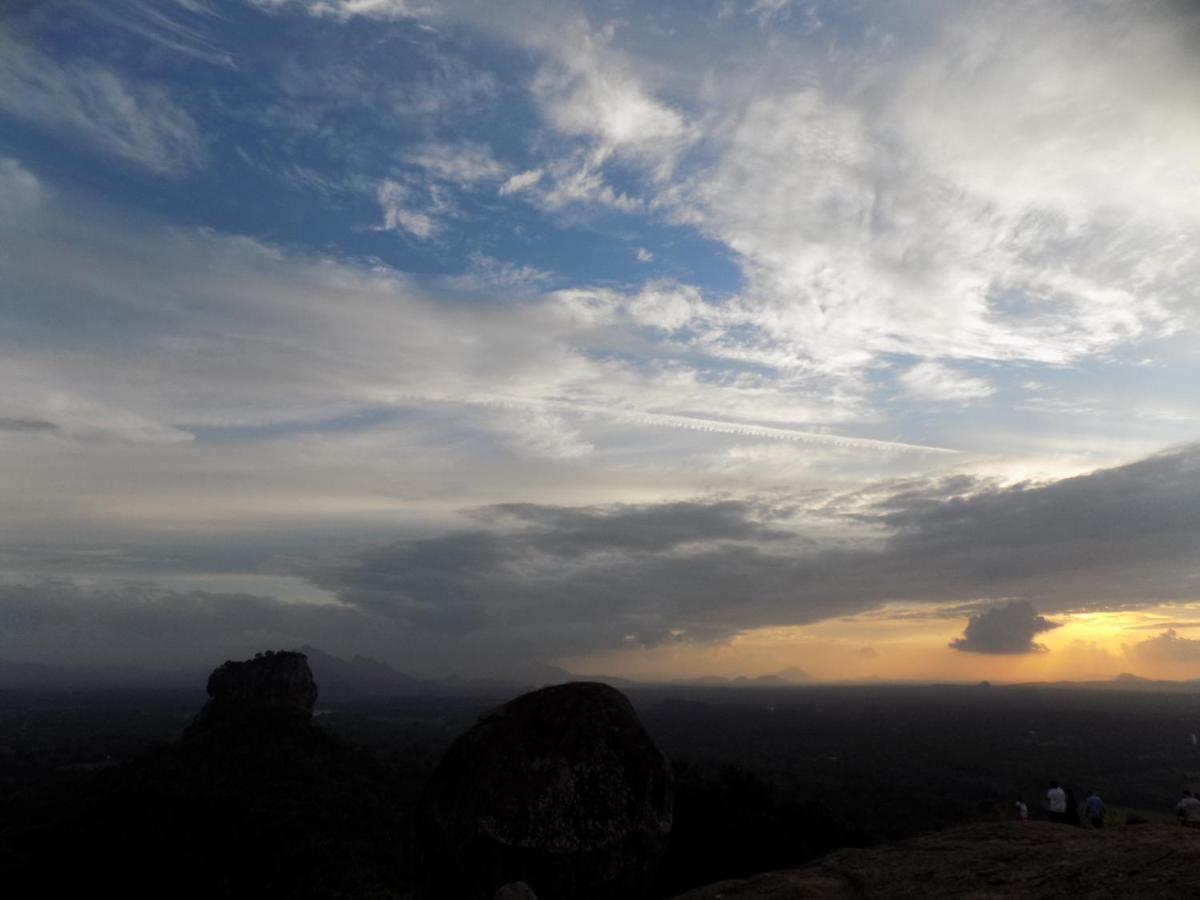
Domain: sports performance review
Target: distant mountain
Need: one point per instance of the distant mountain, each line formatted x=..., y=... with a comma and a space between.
x=357, y=678
x=794, y=675
x=540, y=674
x=789, y=677
x=1130, y=677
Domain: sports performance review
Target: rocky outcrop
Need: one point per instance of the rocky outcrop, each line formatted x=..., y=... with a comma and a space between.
x=276, y=687
x=255, y=801
x=1029, y=860
x=561, y=788
x=518, y=890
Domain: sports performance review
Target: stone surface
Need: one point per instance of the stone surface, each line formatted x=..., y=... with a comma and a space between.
x=561, y=788
x=518, y=890
x=1029, y=860
x=275, y=686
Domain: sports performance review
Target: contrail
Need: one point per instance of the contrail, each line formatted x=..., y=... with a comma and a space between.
x=780, y=434
x=691, y=423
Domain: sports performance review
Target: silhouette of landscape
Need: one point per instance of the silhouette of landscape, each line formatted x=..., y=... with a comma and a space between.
x=141, y=791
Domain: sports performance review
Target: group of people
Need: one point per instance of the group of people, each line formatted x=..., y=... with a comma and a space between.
x=1063, y=806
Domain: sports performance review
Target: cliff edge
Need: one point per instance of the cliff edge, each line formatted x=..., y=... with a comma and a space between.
x=1009, y=859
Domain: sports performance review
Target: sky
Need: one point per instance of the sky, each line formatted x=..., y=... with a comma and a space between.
x=660, y=340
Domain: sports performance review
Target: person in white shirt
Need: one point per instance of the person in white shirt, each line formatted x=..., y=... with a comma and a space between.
x=1020, y=811
x=1189, y=810
x=1056, y=802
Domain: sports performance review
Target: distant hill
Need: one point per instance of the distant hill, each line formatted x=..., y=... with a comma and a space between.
x=540, y=674
x=360, y=677
x=791, y=676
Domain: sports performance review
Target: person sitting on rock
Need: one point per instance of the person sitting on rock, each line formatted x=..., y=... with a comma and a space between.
x=1189, y=810
x=1094, y=808
x=1056, y=803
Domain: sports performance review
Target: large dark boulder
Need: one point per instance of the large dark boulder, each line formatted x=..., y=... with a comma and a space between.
x=561, y=788
x=276, y=687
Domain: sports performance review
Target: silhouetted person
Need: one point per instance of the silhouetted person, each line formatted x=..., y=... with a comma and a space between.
x=1072, y=816
x=1020, y=811
x=1056, y=803
x=1094, y=809
x=1189, y=810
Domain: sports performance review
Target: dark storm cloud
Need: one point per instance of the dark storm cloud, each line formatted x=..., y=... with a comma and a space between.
x=610, y=573
x=530, y=582
x=641, y=528
x=600, y=576
x=1007, y=629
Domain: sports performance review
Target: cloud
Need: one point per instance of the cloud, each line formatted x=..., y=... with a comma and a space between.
x=946, y=198
x=137, y=122
x=396, y=200
x=1167, y=647
x=488, y=274
x=1008, y=629
x=522, y=181
x=276, y=337
x=588, y=90
x=27, y=425
x=704, y=570
x=344, y=10
x=644, y=255
x=145, y=624
x=463, y=164
x=592, y=577
x=520, y=578
x=179, y=30
x=936, y=383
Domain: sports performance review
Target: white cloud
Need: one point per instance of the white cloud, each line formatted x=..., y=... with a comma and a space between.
x=343, y=10
x=228, y=381
x=666, y=306
x=396, y=200
x=644, y=255
x=137, y=122
x=1016, y=189
x=576, y=180
x=463, y=164
x=590, y=90
x=21, y=191
x=936, y=383
x=520, y=182
x=488, y=274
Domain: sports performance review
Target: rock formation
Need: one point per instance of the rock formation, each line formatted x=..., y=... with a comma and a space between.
x=1016, y=859
x=275, y=687
x=561, y=788
x=517, y=890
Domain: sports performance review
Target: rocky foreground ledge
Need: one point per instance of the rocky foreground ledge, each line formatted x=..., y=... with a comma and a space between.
x=1029, y=860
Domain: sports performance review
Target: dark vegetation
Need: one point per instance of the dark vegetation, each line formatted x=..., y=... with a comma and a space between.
x=97, y=789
